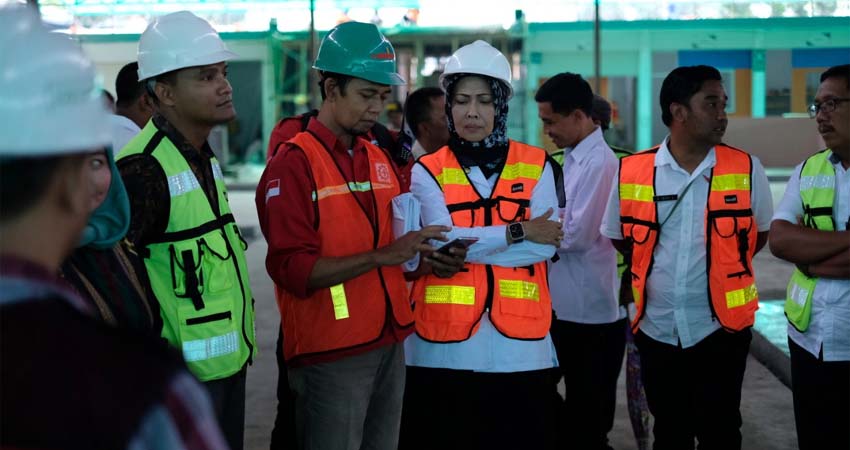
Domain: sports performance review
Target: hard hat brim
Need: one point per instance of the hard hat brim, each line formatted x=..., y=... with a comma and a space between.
x=388, y=79
x=205, y=60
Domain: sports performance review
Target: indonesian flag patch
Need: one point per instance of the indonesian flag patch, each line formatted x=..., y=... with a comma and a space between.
x=272, y=189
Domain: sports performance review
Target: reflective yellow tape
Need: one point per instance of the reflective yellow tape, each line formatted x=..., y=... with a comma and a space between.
x=637, y=192
x=741, y=297
x=452, y=176
x=519, y=289
x=339, y=189
x=447, y=294
x=521, y=170
x=340, y=302
x=731, y=182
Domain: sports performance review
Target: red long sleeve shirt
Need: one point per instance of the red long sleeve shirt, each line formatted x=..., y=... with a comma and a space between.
x=288, y=219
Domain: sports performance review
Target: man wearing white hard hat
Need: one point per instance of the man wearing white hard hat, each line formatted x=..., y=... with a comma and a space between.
x=181, y=221
x=479, y=365
x=69, y=381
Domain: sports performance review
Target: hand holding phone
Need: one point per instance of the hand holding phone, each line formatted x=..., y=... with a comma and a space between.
x=461, y=242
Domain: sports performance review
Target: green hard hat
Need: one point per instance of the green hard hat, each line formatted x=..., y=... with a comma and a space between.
x=359, y=50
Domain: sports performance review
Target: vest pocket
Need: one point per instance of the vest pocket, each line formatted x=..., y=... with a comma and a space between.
x=207, y=334
x=448, y=303
x=217, y=263
x=731, y=243
x=520, y=298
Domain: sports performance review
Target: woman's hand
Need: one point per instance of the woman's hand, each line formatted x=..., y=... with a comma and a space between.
x=544, y=231
x=445, y=266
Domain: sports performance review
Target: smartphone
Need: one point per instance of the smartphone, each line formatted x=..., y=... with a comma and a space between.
x=461, y=242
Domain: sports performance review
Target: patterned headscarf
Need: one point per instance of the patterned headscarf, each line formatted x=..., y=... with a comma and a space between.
x=490, y=153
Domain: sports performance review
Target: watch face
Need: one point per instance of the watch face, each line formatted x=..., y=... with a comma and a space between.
x=516, y=231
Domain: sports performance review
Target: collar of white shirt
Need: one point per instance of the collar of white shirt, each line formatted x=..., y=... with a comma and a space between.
x=664, y=157
x=125, y=123
x=586, y=146
x=417, y=150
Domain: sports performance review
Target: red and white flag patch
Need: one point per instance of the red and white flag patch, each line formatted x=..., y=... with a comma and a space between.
x=272, y=189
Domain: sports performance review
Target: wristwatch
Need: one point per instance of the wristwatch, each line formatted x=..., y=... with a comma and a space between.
x=517, y=232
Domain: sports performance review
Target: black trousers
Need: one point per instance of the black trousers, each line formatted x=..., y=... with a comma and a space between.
x=465, y=410
x=695, y=392
x=821, y=400
x=283, y=433
x=228, y=401
x=590, y=357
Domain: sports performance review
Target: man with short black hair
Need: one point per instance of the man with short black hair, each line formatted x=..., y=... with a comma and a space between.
x=425, y=113
x=181, y=220
x=693, y=212
x=810, y=229
x=324, y=203
x=133, y=107
x=588, y=333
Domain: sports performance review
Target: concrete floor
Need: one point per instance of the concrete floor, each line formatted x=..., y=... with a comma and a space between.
x=766, y=404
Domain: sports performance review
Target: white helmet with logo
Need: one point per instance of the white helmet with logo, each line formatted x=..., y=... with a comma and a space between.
x=50, y=103
x=177, y=41
x=479, y=58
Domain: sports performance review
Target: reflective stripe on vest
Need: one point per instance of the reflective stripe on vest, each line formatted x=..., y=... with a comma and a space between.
x=185, y=181
x=729, y=226
x=197, y=268
x=340, y=302
x=817, y=193
x=352, y=313
x=448, y=294
x=213, y=347
x=516, y=298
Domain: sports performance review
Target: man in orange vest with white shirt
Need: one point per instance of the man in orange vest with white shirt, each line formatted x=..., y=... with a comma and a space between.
x=693, y=212
x=325, y=207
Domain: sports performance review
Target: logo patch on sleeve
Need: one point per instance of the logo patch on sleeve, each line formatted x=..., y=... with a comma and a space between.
x=518, y=187
x=382, y=172
x=272, y=189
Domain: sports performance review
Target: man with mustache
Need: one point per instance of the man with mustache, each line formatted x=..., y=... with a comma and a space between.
x=180, y=216
x=324, y=203
x=693, y=212
x=810, y=229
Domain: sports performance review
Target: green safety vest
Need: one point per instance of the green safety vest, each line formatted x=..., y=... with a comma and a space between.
x=197, y=268
x=817, y=192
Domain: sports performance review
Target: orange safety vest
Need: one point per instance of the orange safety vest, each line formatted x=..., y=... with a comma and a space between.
x=731, y=232
x=352, y=313
x=517, y=298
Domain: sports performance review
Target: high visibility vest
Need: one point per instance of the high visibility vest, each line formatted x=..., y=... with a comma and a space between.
x=354, y=312
x=622, y=261
x=197, y=268
x=730, y=233
x=817, y=192
x=517, y=298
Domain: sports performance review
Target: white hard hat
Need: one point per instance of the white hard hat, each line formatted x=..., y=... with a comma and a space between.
x=479, y=58
x=50, y=103
x=179, y=40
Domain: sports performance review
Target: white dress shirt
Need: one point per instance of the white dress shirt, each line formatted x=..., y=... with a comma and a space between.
x=677, y=302
x=584, y=283
x=122, y=130
x=487, y=350
x=830, y=324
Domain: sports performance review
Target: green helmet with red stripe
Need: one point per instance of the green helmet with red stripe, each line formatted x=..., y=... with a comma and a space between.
x=359, y=50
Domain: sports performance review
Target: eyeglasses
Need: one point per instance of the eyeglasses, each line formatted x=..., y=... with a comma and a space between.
x=827, y=106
